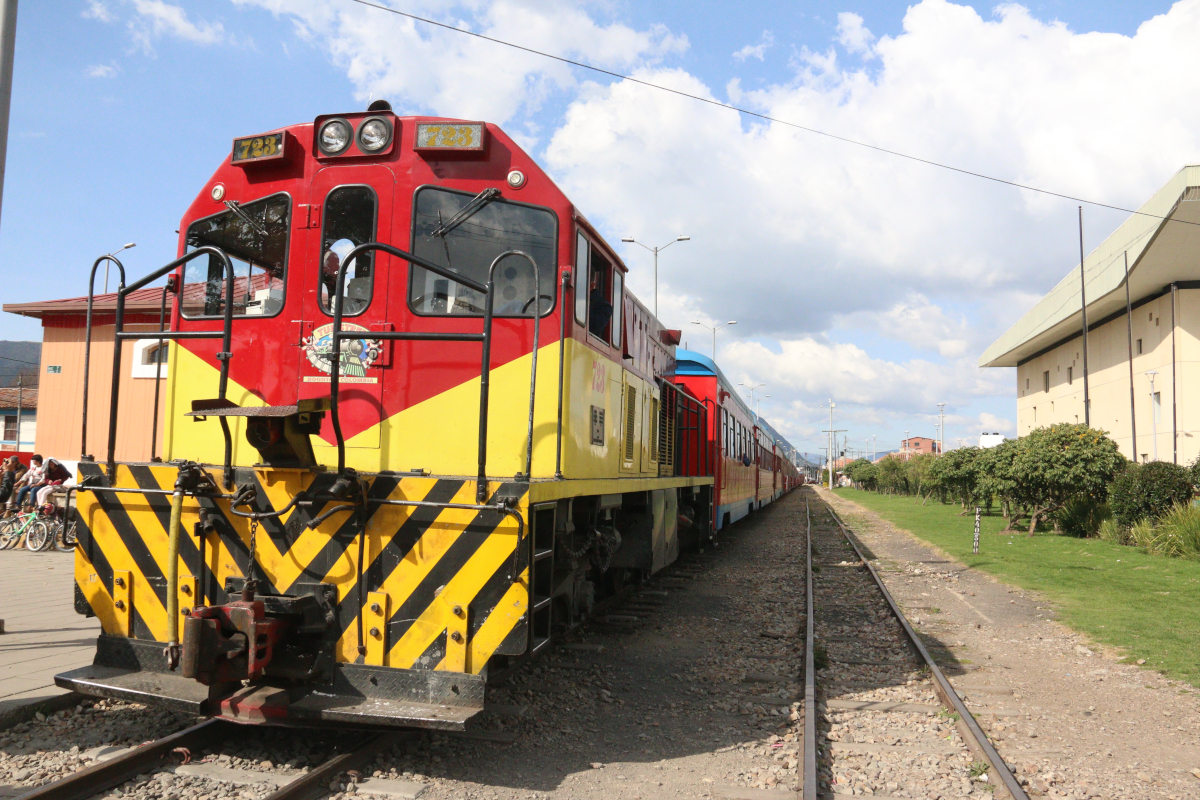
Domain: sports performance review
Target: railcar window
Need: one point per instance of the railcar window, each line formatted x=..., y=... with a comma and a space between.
x=582, y=282
x=600, y=307
x=255, y=237
x=618, y=304
x=470, y=248
x=349, y=220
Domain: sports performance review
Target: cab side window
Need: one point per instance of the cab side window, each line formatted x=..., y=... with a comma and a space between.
x=600, y=307
x=350, y=213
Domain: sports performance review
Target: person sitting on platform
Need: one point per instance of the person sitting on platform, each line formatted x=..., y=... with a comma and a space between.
x=54, y=475
x=29, y=483
x=8, y=477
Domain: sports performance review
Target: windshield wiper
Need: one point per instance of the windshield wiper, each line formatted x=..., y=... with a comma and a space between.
x=236, y=208
x=469, y=210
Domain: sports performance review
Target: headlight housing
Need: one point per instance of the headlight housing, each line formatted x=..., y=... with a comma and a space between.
x=374, y=134
x=334, y=137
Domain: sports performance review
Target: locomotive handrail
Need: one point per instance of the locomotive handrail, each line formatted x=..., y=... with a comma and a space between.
x=562, y=345
x=87, y=342
x=337, y=335
x=119, y=335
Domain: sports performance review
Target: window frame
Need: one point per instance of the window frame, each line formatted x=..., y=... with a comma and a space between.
x=287, y=259
x=617, y=320
x=321, y=248
x=412, y=241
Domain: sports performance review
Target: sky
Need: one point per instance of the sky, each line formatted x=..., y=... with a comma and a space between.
x=853, y=275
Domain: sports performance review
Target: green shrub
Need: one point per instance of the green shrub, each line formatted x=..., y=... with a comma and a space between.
x=1082, y=516
x=1148, y=491
x=1178, y=531
x=1141, y=534
x=1111, y=531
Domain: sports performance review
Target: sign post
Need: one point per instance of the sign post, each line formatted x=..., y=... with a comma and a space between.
x=975, y=544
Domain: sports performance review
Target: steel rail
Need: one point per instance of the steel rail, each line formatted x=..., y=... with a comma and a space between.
x=315, y=784
x=973, y=733
x=98, y=778
x=809, y=789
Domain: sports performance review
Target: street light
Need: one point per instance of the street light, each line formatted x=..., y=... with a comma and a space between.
x=1153, y=414
x=941, y=428
x=906, y=445
x=656, y=250
x=874, y=447
x=714, y=332
x=106, y=263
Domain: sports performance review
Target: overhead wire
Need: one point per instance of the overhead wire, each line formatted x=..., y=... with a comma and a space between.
x=762, y=116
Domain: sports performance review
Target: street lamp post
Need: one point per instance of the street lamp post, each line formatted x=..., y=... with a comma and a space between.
x=752, y=388
x=714, y=333
x=874, y=447
x=106, y=263
x=941, y=428
x=1153, y=415
x=906, y=445
x=656, y=250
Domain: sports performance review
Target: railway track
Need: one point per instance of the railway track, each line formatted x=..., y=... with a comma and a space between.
x=880, y=717
x=170, y=755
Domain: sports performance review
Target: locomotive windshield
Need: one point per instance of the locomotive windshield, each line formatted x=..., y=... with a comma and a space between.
x=470, y=247
x=255, y=237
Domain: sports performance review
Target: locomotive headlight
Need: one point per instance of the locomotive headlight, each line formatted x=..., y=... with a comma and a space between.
x=374, y=135
x=334, y=137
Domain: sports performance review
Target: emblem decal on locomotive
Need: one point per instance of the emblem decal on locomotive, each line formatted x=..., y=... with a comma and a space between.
x=358, y=355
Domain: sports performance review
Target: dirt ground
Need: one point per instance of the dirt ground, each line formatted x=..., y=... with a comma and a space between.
x=698, y=700
x=1085, y=724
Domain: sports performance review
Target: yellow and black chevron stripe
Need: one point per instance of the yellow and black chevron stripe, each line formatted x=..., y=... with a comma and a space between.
x=431, y=572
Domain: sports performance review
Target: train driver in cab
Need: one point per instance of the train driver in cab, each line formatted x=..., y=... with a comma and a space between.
x=601, y=309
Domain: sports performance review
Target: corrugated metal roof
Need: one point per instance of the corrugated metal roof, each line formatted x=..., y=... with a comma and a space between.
x=1160, y=250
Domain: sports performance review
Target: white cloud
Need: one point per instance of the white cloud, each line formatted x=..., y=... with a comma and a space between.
x=387, y=55
x=102, y=70
x=154, y=19
x=994, y=424
x=794, y=234
x=853, y=35
x=756, y=50
x=97, y=10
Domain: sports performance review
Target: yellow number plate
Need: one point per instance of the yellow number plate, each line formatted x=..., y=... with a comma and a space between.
x=450, y=136
x=268, y=146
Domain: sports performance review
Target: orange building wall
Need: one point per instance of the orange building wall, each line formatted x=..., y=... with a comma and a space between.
x=60, y=405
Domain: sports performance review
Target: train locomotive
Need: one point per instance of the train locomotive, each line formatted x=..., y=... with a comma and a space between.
x=415, y=427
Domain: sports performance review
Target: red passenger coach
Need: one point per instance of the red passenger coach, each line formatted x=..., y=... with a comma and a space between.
x=750, y=468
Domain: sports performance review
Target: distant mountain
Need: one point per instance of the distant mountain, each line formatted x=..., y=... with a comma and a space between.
x=20, y=358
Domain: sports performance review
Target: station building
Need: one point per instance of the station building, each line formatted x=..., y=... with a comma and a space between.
x=1154, y=335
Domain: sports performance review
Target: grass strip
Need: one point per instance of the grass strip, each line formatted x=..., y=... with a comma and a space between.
x=1117, y=595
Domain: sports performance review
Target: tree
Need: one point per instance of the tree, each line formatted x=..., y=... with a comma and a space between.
x=863, y=473
x=1052, y=465
x=957, y=472
x=891, y=477
x=995, y=477
x=922, y=478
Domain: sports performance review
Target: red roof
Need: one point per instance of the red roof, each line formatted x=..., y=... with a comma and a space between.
x=8, y=398
x=142, y=301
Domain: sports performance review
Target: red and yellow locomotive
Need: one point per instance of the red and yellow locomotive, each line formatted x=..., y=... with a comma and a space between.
x=415, y=426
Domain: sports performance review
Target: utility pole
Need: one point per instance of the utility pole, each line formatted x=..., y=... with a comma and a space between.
x=1129, y=342
x=20, y=403
x=1087, y=405
x=8, y=43
x=1153, y=414
x=831, y=434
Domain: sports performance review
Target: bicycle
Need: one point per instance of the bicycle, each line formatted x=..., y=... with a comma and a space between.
x=30, y=525
x=63, y=534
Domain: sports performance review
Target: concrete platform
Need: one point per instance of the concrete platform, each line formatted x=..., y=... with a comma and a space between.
x=42, y=633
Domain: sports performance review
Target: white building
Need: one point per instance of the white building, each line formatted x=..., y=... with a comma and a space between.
x=1159, y=333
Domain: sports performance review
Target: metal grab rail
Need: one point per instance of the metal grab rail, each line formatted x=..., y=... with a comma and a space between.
x=87, y=343
x=338, y=335
x=119, y=335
